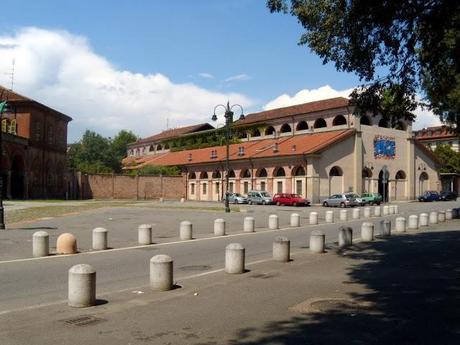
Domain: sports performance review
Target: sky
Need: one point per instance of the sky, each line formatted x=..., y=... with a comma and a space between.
x=146, y=65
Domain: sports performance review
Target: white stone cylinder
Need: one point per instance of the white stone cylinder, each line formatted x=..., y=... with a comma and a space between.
x=40, y=244
x=161, y=272
x=449, y=214
x=367, y=231
x=182, y=200
x=343, y=215
x=281, y=249
x=423, y=219
x=441, y=216
x=186, y=232
x=386, y=210
x=329, y=216
x=249, y=224
x=377, y=211
x=433, y=217
x=356, y=213
x=234, y=258
x=82, y=286
x=400, y=224
x=144, y=234
x=100, y=239
x=273, y=222
x=367, y=212
x=385, y=227
x=313, y=218
x=345, y=237
x=161, y=199
x=396, y=209
x=413, y=222
x=295, y=220
x=219, y=227
x=317, y=241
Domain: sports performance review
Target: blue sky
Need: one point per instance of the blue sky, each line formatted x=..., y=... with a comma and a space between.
x=94, y=60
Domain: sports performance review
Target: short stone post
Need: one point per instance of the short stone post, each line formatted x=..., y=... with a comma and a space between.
x=82, y=286
x=66, y=244
x=100, y=239
x=396, y=209
x=423, y=219
x=367, y=212
x=281, y=249
x=249, y=224
x=391, y=209
x=313, y=218
x=413, y=222
x=329, y=216
x=182, y=200
x=40, y=244
x=186, y=232
x=343, y=215
x=367, y=231
x=161, y=272
x=449, y=214
x=377, y=211
x=441, y=216
x=161, y=200
x=219, y=227
x=385, y=228
x=433, y=217
x=345, y=237
x=356, y=213
x=317, y=242
x=400, y=224
x=273, y=222
x=386, y=210
x=295, y=220
x=144, y=234
x=234, y=258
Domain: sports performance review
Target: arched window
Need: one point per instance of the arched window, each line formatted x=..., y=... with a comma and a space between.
x=400, y=175
x=320, y=123
x=151, y=148
x=216, y=174
x=367, y=172
x=339, y=120
x=423, y=176
x=365, y=120
x=255, y=133
x=261, y=173
x=270, y=130
x=383, y=123
x=231, y=174
x=203, y=175
x=245, y=173
x=279, y=172
x=285, y=128
x=301, y=126
x=166, y=147
x=299, y=171
x=192, y=176
x=242, y=135
x=159, y=147
x=336, y=171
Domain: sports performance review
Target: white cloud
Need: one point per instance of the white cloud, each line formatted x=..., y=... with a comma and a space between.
x=61, y=70
x=425, y=118
x=206, y=75
x=238, y=77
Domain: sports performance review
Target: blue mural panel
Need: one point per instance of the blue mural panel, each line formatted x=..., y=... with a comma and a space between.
x=384, y=147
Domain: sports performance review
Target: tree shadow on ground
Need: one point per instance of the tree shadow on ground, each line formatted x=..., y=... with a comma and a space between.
x=414, y=298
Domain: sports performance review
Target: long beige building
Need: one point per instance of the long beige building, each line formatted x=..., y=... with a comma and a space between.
x=314, y=149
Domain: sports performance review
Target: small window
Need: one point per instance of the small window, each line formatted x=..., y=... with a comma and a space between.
x=279, y=187
x=246, y=187
x=192, y=189
x=205, y=188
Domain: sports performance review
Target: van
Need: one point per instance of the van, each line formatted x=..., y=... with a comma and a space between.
x=259, y=197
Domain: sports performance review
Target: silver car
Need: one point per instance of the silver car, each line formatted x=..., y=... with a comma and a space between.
x=236, y=198
x=341, y=200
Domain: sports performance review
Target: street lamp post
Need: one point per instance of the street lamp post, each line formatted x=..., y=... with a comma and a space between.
x=228, y=133
x=3, y=109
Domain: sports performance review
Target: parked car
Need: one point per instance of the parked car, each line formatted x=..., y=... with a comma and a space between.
x=259, y=197
x=371, y=198
x=236, y=198
x=429, y=196
x=446, y=196
x=341, y=200
x=358, y=199
x=290, y=199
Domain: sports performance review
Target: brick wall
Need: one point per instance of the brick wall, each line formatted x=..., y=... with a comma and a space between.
x=99, y=186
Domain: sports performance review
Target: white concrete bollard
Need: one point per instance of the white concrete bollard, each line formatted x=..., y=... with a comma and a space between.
x=40, y=244
x=377, y=211
x=82, y=286
x=144, y=234
x=441, y=216
x=391, y=209
x=317, y=242
x=281, y=249
x=219, y=227
x=313, y=218
x=396, y=209
x=343, y=215
x=367, y=231
x=413, y=222
x=345, y=237
x=386, y=210
x=234, y=258
x=433, y=217
x=367, y=212
x=329, y=216
x=100, y=239
x=162, y=200
x=249, y=224
x=356, y=213
x=385, y=228
x=449, y=214
x=273, y=222
x=295, y=220
x=423, y=219
x=161, y=272
x=186, y=230
x=182, y=200
x=400, y=224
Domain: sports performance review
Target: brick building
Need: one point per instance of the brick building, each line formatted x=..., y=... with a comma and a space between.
x=34, y=163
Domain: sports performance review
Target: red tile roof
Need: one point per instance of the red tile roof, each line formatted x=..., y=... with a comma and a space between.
x=434, y=133
x=174, y=132
x=286, y=146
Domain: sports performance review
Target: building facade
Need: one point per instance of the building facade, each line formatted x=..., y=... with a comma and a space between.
x=434, y=136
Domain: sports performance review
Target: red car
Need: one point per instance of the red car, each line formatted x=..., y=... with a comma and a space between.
x=290, y=199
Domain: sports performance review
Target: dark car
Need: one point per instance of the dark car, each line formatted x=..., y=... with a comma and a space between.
x=290, y=199
x=446, y=196
x=429, y=196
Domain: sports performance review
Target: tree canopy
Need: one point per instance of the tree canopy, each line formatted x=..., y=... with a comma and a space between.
x=402, y=46
x=450, y=160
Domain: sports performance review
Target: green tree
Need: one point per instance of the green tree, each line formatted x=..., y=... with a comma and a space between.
x=450, y=160
x=119, y=146
x=92, y=154
x=409, y=44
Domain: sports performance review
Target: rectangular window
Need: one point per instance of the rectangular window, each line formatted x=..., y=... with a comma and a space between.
x=262, y=185
x=230, y=187
x=246, y=187
x=205, y=187
x=298, y=187
x=192, y=189
x=279, y=187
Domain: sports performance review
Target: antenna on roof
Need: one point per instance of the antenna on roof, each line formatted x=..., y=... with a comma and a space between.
x=11, y=74
x=167, y=123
